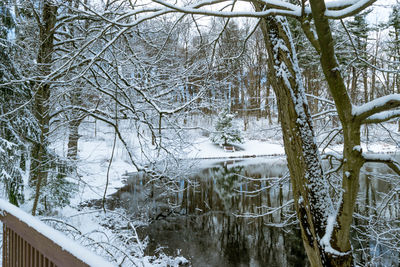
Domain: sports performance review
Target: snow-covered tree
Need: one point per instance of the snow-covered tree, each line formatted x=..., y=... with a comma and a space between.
x=137, y=69
x=325, y=226
x=17, y=123
x=225, y=131
x=394, y=45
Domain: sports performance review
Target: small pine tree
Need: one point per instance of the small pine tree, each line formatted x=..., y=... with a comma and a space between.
x=224, y=130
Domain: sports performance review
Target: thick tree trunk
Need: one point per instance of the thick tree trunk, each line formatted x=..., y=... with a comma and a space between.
x=352, y=154
x=310, y=189
x=41, y=99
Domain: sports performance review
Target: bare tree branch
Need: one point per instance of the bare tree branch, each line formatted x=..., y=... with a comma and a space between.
x=382, y=116
x=342, y=9
x=376, y=106
x=334, y=10
x=283, y=8
x=387, y=159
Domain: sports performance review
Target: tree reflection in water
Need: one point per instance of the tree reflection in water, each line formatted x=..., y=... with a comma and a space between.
x=210, y=217
x=204, y=219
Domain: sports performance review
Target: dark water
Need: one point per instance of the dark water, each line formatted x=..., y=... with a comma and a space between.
x=201, y=215
x=202, y=219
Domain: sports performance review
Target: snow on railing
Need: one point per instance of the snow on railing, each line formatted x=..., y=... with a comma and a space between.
x=29, y=242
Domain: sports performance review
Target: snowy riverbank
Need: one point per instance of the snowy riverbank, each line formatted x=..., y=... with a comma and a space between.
x=95, y=149
x=94, y=160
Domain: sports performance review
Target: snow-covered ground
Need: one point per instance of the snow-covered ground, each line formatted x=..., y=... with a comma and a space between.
x=95, y=153
x=95, y=149
x=204, y=149
x=378, y=147
x=94, y=159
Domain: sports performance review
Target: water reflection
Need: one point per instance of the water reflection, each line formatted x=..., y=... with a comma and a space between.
x=202, y=218
x=376, y=234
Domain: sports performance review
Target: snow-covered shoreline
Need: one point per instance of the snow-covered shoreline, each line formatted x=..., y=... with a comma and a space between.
x=203, y=148
x=94, y=160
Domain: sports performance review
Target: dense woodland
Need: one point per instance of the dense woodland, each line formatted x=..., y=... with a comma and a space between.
x=155, y=73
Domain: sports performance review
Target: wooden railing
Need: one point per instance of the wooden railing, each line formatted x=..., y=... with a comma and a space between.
x=29, y=242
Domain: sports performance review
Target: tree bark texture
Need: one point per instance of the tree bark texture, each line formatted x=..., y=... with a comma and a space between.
x=73, y=138
x=352, y=154
x=310, y=189
x=41, y=98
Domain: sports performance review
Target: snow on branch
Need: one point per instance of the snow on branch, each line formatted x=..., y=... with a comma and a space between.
x=343, y=8
x=376, y=106
x=270, y=210
x=156, y=107
x=321, y=99
x=334, y=9
x=387, y=159
x=340, y=4
x=325, y=112
x=281, y=8
x=382, y=116
x=104, y=117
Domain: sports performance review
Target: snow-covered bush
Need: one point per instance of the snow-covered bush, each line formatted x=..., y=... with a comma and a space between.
x=58, y=188
x=225, y=132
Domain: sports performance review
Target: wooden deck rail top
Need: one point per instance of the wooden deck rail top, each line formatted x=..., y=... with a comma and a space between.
x=29, y=242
